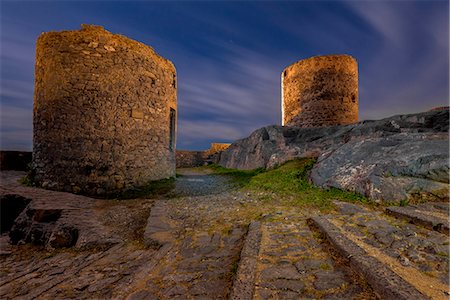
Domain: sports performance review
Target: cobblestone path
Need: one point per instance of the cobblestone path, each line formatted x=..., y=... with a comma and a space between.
x=206, y=240
x=293, y=263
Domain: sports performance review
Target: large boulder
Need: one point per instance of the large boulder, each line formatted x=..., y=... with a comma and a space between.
x=389, y=159
x=388, y=168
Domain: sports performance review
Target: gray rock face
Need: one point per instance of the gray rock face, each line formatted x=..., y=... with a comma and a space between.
x=391, y=159
x=387, y=168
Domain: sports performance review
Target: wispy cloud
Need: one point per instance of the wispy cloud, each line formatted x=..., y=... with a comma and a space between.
x=19, y=91
x=229, y=56
x=408, y=72
x=15, y=128
x=240, y=93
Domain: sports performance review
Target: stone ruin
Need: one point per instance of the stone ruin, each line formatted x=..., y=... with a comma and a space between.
x=320, y=91
x=191, y=159
x=105, y=111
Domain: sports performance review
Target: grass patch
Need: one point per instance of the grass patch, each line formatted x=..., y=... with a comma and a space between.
x=240, y=178
x=289, y=183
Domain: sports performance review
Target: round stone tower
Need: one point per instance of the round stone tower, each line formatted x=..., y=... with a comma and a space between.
x=320, y=91
x=104, y=112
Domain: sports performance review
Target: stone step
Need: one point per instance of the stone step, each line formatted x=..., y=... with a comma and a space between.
x=286, y=260
x=424, y=215
x=244, y=282
x=386, y=283
x=415, y=254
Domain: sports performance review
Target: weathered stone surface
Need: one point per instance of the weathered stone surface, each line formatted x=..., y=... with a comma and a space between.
x=329, y=280
x=159, y=230
x=292, y=264
x=422, y=215
x=280, y=272
x=63, y=237
x=243, y=286
x=104, y=112
x=73, y=219
x=383, y=280
x=190, y=159
x=389, y=168
x=202, y=259
x=320, y=91
x=390, y=159
x=394, y=243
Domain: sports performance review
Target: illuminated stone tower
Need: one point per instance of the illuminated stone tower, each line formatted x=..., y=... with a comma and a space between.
x=320, y=91
x=104, y=112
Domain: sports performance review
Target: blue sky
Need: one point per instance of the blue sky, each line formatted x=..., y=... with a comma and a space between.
x=229, y=56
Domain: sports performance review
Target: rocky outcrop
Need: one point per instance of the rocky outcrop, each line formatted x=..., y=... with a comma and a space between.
x=390, y=159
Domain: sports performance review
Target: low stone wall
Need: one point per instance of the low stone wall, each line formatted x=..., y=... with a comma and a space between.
x=14, y=160
x=217, y=147
x=190, y=159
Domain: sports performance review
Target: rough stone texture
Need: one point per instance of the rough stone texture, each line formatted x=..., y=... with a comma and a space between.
x=15, y=160
x=102, y=112
x=386, y=283
x=390, y=168
x=320, y=91
x=416, y=253
x=390, y=159
x=55, y=219
x=423, y=214
x=244, y=282
x=159, y=229
x=292, y=264
x=190, y=159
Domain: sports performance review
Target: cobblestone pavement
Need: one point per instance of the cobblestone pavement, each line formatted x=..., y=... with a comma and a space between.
x=293, y=263
x=197, y=261
x=199, y=182
x=420, y=250
x=195, y=242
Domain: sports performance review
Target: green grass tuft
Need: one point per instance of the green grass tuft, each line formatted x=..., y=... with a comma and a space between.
x=26, y=181
x=403, y=202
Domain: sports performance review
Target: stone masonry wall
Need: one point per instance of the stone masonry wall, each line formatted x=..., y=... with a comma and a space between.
x=191, y=159
x=217, y=147
x=320, y=91
x=102, y=112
